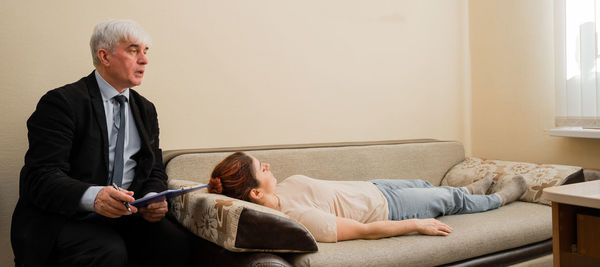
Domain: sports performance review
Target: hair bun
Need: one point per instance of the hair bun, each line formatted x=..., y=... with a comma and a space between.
x=215, y=186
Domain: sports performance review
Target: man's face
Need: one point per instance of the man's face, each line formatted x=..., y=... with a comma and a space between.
x=126, y=65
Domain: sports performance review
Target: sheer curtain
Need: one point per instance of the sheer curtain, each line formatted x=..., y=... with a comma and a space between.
x=577, y=63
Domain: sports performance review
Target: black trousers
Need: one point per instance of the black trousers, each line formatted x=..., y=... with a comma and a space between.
x=126, y=241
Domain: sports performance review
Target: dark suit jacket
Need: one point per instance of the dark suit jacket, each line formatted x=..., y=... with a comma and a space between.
x=68, y=152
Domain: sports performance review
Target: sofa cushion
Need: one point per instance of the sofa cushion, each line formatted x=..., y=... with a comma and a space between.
x=473, y=235
x=537, y=176
x=238, y=225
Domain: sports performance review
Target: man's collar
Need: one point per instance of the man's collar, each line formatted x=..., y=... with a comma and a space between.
x=106, y=90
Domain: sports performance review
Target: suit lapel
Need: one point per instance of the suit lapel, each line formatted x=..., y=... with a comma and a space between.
x=139, y=122
x=98, y=108
x=145, y=157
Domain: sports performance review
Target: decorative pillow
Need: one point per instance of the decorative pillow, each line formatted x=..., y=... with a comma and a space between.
x=538, y=176
x=238, y=225
x=591, y=174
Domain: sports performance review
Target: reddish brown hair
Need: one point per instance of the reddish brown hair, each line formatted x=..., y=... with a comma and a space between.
x=234, y=177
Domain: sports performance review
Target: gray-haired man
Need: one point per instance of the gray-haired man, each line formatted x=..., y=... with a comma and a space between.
x=84, y=137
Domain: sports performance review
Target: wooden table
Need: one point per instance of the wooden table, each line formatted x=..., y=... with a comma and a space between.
x=575, y=223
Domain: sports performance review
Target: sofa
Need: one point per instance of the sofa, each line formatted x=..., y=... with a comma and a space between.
x=229, y=232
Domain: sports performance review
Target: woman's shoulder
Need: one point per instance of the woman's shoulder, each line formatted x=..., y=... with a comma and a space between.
x=296, y=183
x=301, y=179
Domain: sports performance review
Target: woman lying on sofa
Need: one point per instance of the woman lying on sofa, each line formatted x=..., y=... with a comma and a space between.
x=343, y=210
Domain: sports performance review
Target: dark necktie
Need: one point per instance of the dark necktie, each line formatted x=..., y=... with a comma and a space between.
x=117, y=176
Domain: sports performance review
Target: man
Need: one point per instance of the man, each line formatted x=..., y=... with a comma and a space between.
x=83, y=138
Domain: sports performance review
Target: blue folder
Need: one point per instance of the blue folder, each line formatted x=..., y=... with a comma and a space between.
x=142, y=202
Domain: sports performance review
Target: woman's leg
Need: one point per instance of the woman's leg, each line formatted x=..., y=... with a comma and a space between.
x=430, y=201
x=481, y=186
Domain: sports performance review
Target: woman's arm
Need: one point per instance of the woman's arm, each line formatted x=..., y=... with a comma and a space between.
x=348, y=229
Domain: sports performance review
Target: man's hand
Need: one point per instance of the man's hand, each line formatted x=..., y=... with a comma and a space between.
x=109, y=202
x=432, y=227
x=155, y=211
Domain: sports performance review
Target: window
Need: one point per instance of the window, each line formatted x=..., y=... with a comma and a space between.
x=577, y=63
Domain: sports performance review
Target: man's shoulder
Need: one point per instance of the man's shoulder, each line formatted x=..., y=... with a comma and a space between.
x=75, y=90
x=138, y=97
x=142, y=103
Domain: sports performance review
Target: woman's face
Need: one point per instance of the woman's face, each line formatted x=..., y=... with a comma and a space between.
x=262, y=172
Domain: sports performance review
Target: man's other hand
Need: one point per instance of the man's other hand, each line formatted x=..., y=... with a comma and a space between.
x=155, y=211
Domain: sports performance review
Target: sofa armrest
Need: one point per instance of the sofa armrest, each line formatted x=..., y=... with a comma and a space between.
x=206, y=253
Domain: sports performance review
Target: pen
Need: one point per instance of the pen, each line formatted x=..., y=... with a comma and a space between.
x=125, y=203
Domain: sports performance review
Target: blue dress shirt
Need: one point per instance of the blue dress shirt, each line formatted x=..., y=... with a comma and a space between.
x=132, y=140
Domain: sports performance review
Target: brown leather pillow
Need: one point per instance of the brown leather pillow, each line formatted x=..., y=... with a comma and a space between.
x=238, y=225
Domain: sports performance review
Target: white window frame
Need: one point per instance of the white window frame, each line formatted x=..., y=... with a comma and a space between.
x=577, y=96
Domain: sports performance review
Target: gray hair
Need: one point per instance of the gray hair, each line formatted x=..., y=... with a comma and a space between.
x=109, y=34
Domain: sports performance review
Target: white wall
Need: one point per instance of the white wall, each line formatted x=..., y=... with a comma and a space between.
x=513, y=90
x=232, y=73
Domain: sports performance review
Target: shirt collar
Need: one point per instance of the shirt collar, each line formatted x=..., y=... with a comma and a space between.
x=106, y=90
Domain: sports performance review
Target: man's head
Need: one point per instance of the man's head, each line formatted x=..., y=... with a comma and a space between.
x=119, y=52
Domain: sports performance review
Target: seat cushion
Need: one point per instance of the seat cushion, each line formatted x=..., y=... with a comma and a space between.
x=511, y=226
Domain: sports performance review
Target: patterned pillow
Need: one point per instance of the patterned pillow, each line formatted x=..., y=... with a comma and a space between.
x=538, y=176
x=238, y=225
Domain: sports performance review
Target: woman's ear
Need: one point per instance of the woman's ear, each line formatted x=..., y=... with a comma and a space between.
x=256, y=195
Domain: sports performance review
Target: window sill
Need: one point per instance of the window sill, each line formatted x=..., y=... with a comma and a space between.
x=577, y=132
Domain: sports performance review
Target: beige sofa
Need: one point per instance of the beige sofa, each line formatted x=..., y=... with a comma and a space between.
x=519, y=233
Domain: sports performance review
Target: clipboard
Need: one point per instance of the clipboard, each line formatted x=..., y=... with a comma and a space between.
x=145, y=201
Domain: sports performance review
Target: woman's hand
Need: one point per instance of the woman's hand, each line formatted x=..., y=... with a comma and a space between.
x=348, y=229
x=432, y=227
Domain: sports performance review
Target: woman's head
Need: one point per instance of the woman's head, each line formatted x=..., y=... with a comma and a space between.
x=239, y=175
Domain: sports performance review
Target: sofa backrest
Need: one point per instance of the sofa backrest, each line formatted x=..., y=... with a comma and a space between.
x=426, y=159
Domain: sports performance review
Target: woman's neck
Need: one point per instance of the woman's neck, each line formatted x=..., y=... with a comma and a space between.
x=271, y=201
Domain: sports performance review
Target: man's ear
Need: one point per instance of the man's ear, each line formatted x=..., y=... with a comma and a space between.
x=103, y=56
x=256, y=195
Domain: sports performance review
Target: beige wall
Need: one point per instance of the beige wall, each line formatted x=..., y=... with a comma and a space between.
x=513, y=86
x=231, y=73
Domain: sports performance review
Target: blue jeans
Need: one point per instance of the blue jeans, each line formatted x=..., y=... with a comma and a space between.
x=420, y=199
